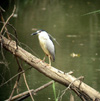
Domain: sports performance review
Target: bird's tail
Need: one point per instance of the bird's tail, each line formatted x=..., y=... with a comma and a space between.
x=53, y=58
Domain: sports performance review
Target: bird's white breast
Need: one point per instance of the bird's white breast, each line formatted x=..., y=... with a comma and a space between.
x=43, y=38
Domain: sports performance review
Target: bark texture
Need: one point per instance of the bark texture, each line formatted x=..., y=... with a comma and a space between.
x=84, y=91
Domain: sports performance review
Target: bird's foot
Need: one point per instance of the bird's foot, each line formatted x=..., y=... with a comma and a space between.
x=48, y=64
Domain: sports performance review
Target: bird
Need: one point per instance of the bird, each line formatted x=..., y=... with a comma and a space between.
x=46, y=44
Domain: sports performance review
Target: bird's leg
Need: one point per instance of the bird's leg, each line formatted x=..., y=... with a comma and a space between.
x=49, y=60
x=44, y=58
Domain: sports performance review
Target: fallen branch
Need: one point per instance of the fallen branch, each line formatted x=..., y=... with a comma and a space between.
x=81, y=89
x=26, y=94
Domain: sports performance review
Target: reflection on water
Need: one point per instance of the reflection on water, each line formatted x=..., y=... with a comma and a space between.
x=78, y=36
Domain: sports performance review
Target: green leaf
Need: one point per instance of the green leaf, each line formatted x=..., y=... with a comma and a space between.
x=54, y=91
x=93, y=12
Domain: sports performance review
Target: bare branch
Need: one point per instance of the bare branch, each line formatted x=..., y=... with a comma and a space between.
x=3, y=22
x=60, y=98
x=2, y=9
x=26, y=93
x=51, y=72
x=27, y=86
x=8, y=19
x=16, y=83
x=20, y=66
x=3, y=56
x=17, y=80
x=12, y=78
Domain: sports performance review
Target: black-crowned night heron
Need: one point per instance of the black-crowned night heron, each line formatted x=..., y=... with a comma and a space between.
x=46, y=44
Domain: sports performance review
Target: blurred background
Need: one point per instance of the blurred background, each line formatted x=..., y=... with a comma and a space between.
x=77, y=33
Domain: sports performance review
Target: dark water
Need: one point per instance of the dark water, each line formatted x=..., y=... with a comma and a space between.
x=78, y=37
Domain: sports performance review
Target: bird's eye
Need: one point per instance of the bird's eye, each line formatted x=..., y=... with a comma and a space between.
x=39, y=31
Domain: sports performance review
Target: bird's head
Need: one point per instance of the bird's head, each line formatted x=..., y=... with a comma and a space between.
x=38, y=32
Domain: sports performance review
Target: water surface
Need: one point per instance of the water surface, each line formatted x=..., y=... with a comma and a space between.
x=78, y=37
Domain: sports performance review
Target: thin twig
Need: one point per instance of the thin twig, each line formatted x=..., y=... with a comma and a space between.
x=13, y=91
x=28, y=87
x=2, y=19
x=20, y=66
x=16, y=38
x=15, y=86
x=26, y=93
x=8, y=20
x=2, y=9
x=14, y=77
x=60, y=98
x=3, y=56
x=1, y=62
x=17, y=80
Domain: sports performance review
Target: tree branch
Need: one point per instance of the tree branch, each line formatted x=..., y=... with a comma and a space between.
x=8, y=20
x=26, y=94
x=77, y=86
